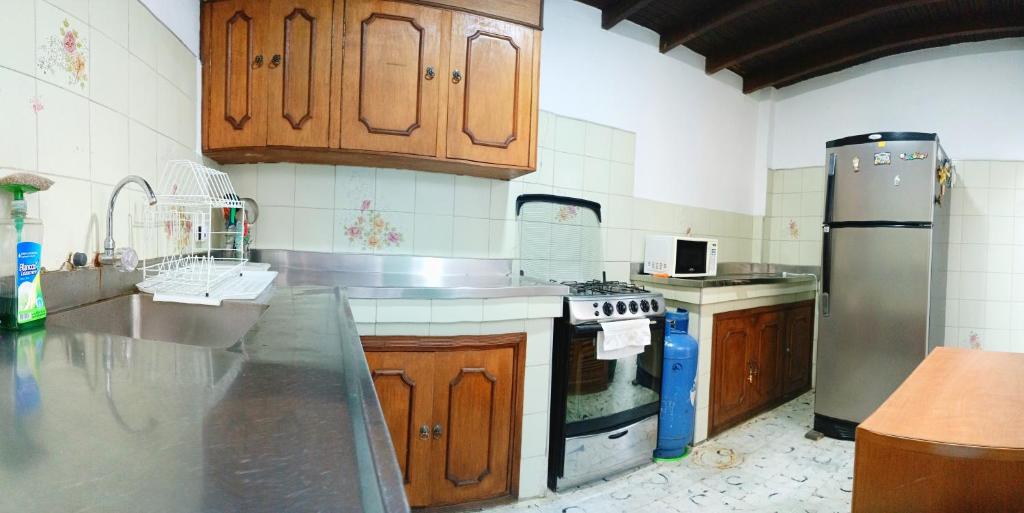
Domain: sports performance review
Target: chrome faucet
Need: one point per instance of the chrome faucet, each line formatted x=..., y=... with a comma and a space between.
x=123, y=259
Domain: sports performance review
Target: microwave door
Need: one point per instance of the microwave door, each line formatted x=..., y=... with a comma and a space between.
x=691, y=257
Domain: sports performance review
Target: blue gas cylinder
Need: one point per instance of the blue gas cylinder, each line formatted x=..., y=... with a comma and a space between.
x=678, y=388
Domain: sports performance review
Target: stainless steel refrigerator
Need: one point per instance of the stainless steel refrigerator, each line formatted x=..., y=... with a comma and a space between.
x=883, y=284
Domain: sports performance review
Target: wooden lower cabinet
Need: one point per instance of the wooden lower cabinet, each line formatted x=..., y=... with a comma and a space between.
x=453, y=406
x=760, y=358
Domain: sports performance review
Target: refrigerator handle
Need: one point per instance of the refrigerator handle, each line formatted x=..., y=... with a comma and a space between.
x=826, y=238
x=830, y=185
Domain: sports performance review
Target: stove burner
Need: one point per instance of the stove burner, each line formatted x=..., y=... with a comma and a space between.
x=602, y=288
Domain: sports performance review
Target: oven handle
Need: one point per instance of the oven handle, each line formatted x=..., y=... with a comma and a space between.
x=584, y=329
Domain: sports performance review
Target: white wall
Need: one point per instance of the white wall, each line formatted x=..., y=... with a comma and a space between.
x=971, y=94
x=180, y=16
x=696, y=135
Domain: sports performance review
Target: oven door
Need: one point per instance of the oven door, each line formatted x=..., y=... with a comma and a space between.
x=604, y=395
x=604, y=413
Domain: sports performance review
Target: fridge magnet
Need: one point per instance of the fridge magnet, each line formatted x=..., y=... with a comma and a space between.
x=856, y=164
x=943, y=175
x=883, y=158
x=913, y=156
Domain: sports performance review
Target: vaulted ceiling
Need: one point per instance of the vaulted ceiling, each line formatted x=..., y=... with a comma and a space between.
x=782, y=42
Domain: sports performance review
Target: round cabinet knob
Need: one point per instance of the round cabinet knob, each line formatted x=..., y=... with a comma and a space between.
x=275, y=61
x=258, y=61
x=456, y=76
x=429, y=75
x=633, y=307
x=608, y=308
x=645, y=305
x=620, y=307
x=654, y=305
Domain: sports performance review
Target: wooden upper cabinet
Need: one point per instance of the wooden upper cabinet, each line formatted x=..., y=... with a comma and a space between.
x=384, y=83
x=298, y=48
x=404, y=382
x=390, y=77
x=234, y=89
x=473, y=398
x=490, y=99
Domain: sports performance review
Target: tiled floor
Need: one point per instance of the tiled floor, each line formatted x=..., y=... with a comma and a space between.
x=764, y=465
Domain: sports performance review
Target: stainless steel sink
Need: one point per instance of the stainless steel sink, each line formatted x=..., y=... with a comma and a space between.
x=138, y=316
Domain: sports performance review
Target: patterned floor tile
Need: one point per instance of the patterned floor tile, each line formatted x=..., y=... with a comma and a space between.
x=763, y=465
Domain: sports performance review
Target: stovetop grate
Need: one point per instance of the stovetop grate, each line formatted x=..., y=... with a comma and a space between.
x=602, y=288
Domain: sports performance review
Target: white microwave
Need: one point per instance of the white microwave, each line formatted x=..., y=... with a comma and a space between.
x=680, y=257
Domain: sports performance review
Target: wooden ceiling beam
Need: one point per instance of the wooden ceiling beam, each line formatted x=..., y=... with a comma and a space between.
x=619, y=11
x=811, y=28
x=860, y=48
x=694, y=28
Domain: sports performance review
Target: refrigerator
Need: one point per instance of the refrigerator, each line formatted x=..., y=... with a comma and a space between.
x=883, y=282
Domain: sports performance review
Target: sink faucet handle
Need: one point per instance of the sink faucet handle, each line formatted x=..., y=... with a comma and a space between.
x=126, y=260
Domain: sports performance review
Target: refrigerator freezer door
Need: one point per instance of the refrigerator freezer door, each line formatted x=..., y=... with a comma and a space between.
x=902, y=190
x=875, y=332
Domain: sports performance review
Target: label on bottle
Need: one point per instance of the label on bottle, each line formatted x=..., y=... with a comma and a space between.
x=29, y=290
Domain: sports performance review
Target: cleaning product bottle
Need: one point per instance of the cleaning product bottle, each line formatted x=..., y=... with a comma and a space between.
x=21, y=295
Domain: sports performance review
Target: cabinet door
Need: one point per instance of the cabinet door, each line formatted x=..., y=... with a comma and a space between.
x=490, y=90
x=404, y=384
x=236, y=109
x=473, y=403
x=768, y=341
x=391, y=77
x=299, y=72
x=799, y=349
x=731, y=370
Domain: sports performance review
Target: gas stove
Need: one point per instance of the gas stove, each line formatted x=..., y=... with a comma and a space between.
x=600, y=301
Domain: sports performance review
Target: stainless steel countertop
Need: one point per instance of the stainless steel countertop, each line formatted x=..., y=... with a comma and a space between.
x=724, y=280
x=406, y=277
x=286, y=420
x=732, y=274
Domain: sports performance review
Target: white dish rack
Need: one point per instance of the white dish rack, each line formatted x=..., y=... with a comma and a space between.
x=180, y=260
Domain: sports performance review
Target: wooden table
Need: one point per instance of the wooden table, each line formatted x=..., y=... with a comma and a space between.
x=950, y=438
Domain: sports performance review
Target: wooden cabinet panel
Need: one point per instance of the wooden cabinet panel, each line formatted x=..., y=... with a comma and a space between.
x=766, y=358
x=527, y=12
x=391, y=77
x=760, y=357
x=731, y=369
x=468, y=392
x=799, y=351
x=490, y=94
x=299, y=72
x=473, y=399
x=404, y=384
x=237, y=96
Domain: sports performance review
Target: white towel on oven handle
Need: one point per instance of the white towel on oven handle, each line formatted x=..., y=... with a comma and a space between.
x=619, y=339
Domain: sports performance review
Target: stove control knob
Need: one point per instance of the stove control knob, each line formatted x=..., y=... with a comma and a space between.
x=654, y=305
x=621, y=307
x=633, y=307
x=608, y=309
x=645, y=306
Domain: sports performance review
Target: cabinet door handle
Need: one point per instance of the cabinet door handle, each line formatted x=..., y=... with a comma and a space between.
x=429, y=75
x=750, y=372
x=456, y=76
x=258, y=61
x=275, y=61
x=437, y=431
x=424, y=432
